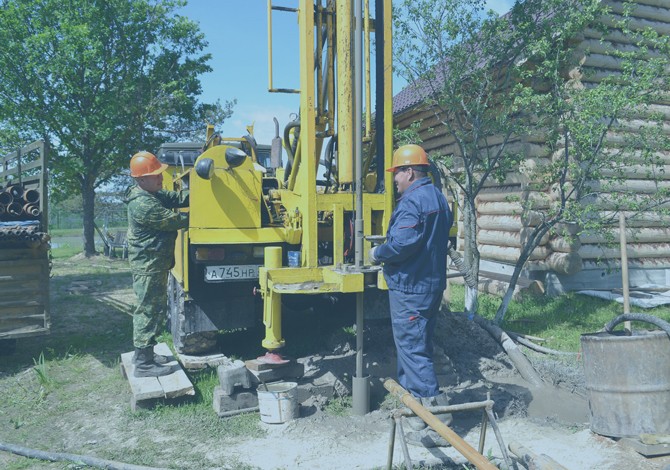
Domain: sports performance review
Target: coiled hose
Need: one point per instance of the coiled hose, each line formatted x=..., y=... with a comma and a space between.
x=662, y=324
x=457, y=259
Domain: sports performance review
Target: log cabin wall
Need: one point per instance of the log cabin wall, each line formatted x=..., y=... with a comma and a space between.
x=565, y=263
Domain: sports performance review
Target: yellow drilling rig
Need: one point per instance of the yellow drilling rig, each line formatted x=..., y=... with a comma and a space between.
x=262, y=229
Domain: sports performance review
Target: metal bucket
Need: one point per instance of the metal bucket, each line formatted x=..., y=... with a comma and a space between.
x=628, y=382
x=278, y=402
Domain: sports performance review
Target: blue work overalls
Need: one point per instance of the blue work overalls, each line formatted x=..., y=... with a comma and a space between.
x=415, y=269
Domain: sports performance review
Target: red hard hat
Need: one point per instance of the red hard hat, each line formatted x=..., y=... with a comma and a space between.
x=409, y=155
x=145, y=164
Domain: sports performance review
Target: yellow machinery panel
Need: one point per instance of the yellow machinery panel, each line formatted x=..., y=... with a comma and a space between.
x=231, y=198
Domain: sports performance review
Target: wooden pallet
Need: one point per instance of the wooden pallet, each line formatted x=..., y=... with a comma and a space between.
x=147, y=390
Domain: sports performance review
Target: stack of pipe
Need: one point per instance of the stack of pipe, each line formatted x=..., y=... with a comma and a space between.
x=22, y=233
x=19, y=203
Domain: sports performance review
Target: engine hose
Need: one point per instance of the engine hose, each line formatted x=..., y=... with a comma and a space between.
x=662, y=324
x=457, y=259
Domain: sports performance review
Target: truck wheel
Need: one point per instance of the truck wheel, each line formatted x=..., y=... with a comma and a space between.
x=179, y=311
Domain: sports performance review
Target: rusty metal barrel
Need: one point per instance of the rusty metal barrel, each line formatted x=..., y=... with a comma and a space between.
x=628, y=381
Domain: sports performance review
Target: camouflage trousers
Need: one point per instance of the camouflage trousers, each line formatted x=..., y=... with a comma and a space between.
x=149, y=316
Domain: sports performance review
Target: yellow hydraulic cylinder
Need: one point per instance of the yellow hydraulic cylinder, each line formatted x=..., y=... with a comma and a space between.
x=272, y=303
x=345, y=98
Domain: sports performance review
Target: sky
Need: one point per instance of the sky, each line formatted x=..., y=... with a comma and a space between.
x=237, y=33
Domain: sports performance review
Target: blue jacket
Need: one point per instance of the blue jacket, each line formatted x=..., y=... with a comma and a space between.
x=415, y=251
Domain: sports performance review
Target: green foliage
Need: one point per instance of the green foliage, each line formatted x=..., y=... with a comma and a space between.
x=339, y=406
x=99, y=81
x=560, y=320
x=490, y=81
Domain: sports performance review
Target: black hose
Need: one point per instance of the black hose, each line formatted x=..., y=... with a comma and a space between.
x=78, y=459
x=662, y=324
x=291, y=147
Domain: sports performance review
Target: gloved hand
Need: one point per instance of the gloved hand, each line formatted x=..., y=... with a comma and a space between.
x=371, y=256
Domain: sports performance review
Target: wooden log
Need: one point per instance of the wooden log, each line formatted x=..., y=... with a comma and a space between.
x=561, y=263
x=610, y=203
x=505, y=238
x=640, y=186
x=639, y=219
x=503, y=223
x=647, y=12
x=635, y=263
x=565, y=244
x=634, y=235
x=510, y=254
x=510, y=208
x=639, y=24
x=634, y=250
x=660, y=172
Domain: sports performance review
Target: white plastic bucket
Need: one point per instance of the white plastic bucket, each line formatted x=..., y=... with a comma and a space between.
x=279, y=402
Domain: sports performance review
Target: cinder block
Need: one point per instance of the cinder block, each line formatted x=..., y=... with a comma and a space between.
x=231, y=375
x=292, y=370
x=237, y=401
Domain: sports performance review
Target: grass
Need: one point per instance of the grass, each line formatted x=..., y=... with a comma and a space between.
x=52, y=381
x=560, y=320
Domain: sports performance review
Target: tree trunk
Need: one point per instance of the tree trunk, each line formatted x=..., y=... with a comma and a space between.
x=88, y=197
x=471, y=256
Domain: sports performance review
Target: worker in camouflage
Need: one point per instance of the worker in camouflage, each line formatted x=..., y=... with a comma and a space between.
x=152, y=231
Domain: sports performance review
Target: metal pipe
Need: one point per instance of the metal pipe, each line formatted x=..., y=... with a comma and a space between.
x=442, y=429
x=6, y=198
x=450, y=408
x=14, y=209
x=366, y=42
x=358, y=126
x=31, y=196
x=361, y=382
x=389, y=460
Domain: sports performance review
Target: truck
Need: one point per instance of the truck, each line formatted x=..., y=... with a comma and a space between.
x=264, y=229
x=24, y=245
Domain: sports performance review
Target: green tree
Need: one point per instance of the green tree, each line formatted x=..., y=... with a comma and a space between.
x=100, y=80
x=491, y=81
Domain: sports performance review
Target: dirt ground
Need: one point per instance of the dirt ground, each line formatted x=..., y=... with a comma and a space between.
x=85, y=407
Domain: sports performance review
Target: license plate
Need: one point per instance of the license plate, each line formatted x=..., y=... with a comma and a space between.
x=231, y=273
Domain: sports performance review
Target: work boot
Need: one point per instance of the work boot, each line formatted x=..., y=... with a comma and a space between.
x=427, y=438
x=438, y=400
x=146, y=367
x=158, y=358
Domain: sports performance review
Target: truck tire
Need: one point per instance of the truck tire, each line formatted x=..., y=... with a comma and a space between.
x=185, y=341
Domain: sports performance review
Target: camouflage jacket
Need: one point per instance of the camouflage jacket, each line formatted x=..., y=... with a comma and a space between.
x=152, y=228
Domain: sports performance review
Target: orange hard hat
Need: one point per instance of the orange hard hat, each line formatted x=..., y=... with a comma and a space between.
x=146, y=164
x=409, y=155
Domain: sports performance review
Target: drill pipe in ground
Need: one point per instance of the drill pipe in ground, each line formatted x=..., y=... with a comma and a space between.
x=442, y=429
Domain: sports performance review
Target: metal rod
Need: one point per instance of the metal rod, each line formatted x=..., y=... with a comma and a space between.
x=482, y=435
x=368, y=99
x=389, y=460
x=403, y=445
x=450, y=408
x=501, y=443
x=624, y=270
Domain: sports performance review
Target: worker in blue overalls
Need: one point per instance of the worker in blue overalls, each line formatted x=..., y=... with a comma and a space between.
x=414, y=256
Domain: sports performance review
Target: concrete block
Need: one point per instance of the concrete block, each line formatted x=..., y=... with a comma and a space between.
x=237, y=401
x=234, y=374
x=292, y=370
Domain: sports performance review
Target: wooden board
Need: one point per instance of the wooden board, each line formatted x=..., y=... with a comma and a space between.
x=173, y=385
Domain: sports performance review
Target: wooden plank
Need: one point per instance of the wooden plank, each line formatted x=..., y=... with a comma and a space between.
x=143, y=388
x=177, y=383
x=168, y=386
x=31, y=330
